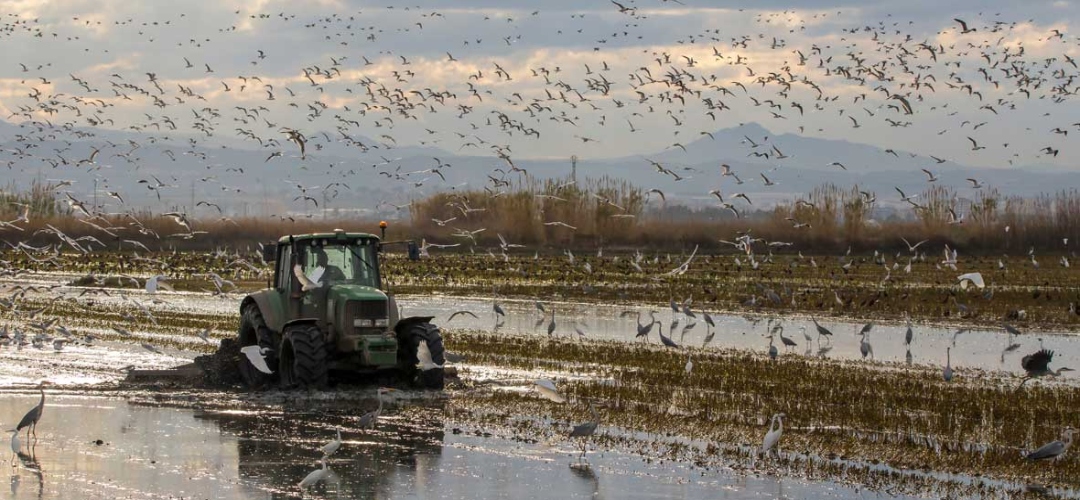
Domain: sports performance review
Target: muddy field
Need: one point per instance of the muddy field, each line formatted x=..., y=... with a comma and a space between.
x=884, y=424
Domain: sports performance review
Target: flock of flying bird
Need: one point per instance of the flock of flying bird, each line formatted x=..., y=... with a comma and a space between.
x=80, y=122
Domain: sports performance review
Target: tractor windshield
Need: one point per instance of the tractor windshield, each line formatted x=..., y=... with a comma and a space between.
x=328, y=262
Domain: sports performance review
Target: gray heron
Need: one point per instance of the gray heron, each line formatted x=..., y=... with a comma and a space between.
x=821, y=330
x=586, y=430
x=947, y=372
x=1037, y=365
x=369, y=419
x=30, y=420
x=1053, y=450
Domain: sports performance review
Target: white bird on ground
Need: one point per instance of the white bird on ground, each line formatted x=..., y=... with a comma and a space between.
x=423, y=355
x=255, y=356
x=315, y=477
x=971, y=279
x=154, y=283
x=689, y=364
x=776, y=429
x=332, y=447
x=547, y=389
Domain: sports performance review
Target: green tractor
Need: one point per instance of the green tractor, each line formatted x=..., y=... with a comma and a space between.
x=326, y=313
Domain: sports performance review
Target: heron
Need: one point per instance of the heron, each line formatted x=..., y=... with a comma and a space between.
x=332, y=447
x=1053, y=450
x=551, y=325
x=1036, y=365
x=586, y=430
x=821, y=330
x=689, y=364
x=665, y=339
x=30, y=420
x=643, y=329
x=498, y=310
x=908, y=335
x=773, y=353
x=776, y=429
x=947, y=372
x=16, y=446
x=786, y=341
x=316, y=476
x=865, y=348
x=708, y=321
x=368, y=420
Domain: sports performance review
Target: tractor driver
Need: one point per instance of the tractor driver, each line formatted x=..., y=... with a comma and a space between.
x=329, y=273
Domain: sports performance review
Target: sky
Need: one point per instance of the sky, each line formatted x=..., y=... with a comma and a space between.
x=596, y=79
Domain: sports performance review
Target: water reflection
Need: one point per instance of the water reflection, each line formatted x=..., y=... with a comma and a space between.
x=275, y=450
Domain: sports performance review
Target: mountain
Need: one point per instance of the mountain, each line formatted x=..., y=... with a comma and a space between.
x=240, y=177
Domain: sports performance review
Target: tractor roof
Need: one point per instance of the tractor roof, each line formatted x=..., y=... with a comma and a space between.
x=334, y=235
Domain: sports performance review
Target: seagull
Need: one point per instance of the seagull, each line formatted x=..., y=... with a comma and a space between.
x=547, y=389
x=423, y=354
x=930, y=177
x=255, y=356
x=305, y=283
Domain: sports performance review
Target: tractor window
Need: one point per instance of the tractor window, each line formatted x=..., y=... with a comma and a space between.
x=285, y=267
x=332, y=262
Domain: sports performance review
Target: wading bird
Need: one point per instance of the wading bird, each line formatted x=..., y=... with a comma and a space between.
x=947, y=372
x=776, y=429
x=30, y=420
x=547, y=389
x=369, y=419
x=586, y=430
x=1053, y=450
x=332, y=447
x=315, y=477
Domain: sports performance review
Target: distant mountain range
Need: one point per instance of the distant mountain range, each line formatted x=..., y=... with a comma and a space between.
x=242, y=180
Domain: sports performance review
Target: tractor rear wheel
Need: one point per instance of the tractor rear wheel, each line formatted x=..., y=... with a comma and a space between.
x=253, y=331
x=303, y=358
x=409, y=342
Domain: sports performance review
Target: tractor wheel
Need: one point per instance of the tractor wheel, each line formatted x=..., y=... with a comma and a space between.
x=253, y=331
x=303, y=360
x=408, y=343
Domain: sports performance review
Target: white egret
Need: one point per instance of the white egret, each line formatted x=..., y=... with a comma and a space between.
x=315, y=477
x=971, y=279
x=776, y=429
x=332, y=447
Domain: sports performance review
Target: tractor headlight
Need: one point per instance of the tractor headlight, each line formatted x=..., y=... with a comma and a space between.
x=382, y=322
x=363, y=323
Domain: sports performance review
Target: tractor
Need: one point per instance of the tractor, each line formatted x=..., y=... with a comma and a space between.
x=326, y=313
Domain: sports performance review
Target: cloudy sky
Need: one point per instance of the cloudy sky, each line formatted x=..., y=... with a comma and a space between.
x=556, y=78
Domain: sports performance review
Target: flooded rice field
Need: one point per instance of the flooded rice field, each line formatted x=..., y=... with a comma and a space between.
x=108, y=447
x=683, y=422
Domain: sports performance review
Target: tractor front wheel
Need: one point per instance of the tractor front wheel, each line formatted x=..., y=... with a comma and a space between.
x=409, y=342
x=303, y=358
